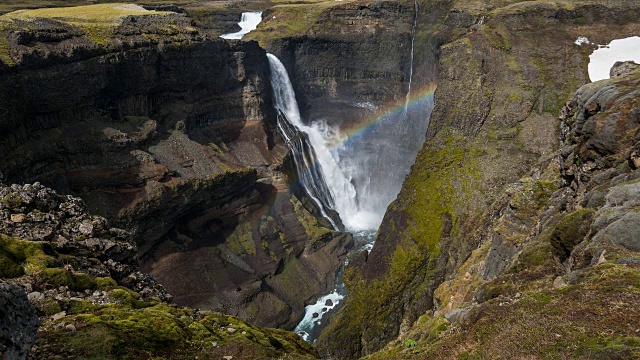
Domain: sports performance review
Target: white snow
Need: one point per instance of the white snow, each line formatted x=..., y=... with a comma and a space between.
x=582, y=40
x=603, y=58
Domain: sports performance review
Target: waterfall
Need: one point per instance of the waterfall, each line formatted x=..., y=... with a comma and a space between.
x=318, y=169
x=248, y=23
x=309, y=174
x=356, y=171
x=413, y=38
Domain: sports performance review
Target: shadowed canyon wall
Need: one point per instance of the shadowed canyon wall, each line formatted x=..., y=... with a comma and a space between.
x=170, y=132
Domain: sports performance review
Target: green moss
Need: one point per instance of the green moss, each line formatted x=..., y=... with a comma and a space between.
x=106, y=283
x=48, y=307
x=9, y=267
x=288, y=21
x=161, y=331
x=570, y=231
x=12, y=200
x=309, y=222
x=441, y=186
x=497, y=37
x=75, y=281
x=19, y=257
x=57, y=277
x=82, y=307
x=83, y=282
x=131, y=298
x=97, y=21
x=240, y=241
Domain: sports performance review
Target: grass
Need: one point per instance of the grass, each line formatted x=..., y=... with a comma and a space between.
x=290, y=20
x=98, y=21
x=13, y=5
x=593, y=319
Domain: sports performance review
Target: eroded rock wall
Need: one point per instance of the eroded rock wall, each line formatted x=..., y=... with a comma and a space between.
x=505, y=72
x=167, y=130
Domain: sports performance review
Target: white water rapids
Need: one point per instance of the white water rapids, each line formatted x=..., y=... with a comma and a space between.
x=248, y=23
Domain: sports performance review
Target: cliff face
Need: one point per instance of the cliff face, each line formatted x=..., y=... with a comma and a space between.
x=504, y=73
x=168, y=131
x=351, y=62
x=92, y=300
x=557, y=273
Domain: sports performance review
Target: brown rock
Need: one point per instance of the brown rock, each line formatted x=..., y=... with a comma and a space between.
x=18, y=218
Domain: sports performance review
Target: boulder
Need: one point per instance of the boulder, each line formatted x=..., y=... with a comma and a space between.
x=18, y=322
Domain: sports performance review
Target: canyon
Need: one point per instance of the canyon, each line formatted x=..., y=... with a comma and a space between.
x=517, y=199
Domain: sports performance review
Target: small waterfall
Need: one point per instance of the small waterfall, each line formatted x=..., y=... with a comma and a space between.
x=248, y=23
x=413, y=38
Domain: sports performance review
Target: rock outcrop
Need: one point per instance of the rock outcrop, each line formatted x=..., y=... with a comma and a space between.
x=18, y=322
x=166, y=130
x=83, y=278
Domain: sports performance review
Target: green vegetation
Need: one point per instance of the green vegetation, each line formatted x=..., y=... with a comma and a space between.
x=410, y=343
x=441, y=186
x=570, y=231
x=287, y=21
x=19, y=257
x=161, y=331
x=97, y=21
x=309, y=222
x=241, y=241
x=591, y=319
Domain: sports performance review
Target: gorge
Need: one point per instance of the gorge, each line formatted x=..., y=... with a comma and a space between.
x=388, y=179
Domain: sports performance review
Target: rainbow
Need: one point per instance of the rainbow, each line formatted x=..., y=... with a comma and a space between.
x=361, y=129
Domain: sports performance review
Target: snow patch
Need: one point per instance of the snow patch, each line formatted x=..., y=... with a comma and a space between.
x=603, y=58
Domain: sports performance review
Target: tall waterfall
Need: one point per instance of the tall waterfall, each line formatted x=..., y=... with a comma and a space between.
x=357, y=172
x=318, y=170
x=357, y=176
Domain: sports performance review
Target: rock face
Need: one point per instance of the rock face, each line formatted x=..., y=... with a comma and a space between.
x=495, y=118
x=175, y=139
x=93, y=301
x=560, y=252
x=18, y=322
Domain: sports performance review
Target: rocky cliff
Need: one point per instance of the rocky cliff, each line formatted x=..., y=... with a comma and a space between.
x=83, y=278
x=166, y=130
x=557, y=274
x=505, y=71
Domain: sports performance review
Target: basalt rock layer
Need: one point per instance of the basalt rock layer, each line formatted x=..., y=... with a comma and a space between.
x=168, y=131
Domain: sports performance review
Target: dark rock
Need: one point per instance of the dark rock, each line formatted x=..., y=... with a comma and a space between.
x=175, y=140
x=570, y=231
x=624, y=232
x=18, y=322
x=622, y=68
x=329, y=302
